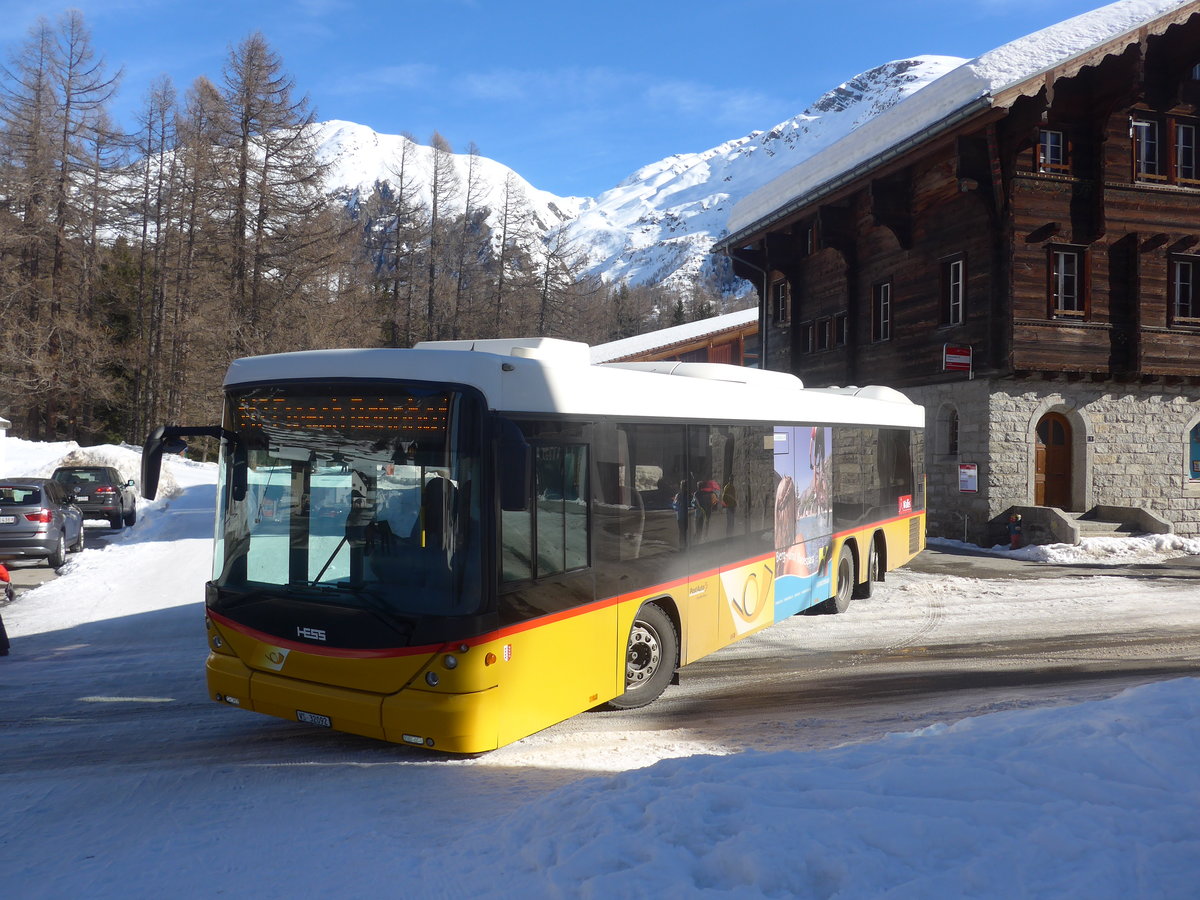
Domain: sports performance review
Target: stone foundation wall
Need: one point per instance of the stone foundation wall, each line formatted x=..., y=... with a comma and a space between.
x=1129, y=448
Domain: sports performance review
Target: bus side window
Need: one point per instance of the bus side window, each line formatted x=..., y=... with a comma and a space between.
x=749, y=489
x=851, y=467
x=552, y=536
x=561, y=527
x=659, y=503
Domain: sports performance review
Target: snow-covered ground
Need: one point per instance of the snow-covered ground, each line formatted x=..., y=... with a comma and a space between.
x=121, y=780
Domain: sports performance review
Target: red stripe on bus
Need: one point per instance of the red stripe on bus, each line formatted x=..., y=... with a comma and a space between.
x=842, y=534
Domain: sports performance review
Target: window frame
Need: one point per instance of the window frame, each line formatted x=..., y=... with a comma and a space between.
x=1175, y=150
x=1179, y=150
x=1045, y=165
x=1177, y=264
x=954, y=292
x=1193, y=455
x=881, y=311
x=824, y=334
x=841, y=329
x=781, y=302
x=1082, y=283
x=806, y=336
x=1146, y=136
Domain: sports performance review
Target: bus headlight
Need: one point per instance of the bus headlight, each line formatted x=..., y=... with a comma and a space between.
x=450, y=662
x=431, y=679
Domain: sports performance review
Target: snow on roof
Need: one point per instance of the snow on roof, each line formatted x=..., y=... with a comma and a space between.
x=666, y=337
x=976, y=84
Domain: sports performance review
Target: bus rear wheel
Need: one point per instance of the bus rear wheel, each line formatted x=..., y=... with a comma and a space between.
x=650, y=658
x=862, y=591
x=840, y=602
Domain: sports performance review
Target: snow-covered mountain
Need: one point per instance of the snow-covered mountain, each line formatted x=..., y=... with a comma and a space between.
x=358, y=157
x=658, y=225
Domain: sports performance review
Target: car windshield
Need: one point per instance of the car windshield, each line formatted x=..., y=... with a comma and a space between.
x=364, y=495
x=20, y=495
x=81, y=477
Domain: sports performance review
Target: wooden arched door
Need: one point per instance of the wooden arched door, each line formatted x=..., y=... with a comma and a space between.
x=1052, y=465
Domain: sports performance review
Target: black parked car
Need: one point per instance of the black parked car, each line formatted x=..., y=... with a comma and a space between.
x=100, y=492
x=38, y=518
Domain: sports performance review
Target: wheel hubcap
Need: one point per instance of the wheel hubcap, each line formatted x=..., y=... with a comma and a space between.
x=644, y=655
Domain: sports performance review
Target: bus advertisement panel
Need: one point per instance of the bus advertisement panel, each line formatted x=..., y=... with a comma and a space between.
x=803, y=517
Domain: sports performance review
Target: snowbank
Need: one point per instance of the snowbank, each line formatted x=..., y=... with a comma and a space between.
x=1101, y=551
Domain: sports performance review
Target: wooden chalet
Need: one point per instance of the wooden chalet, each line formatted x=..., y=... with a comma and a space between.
x=1022, y=256
x=730, y=338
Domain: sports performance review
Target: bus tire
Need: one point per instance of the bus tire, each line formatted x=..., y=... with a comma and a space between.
x=863, y=590
x=840, y=601
x=650, y=657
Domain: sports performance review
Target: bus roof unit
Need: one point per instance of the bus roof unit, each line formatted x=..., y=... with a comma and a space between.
x=551, y=376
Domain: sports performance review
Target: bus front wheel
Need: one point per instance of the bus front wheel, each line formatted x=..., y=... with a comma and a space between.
x=650, y=658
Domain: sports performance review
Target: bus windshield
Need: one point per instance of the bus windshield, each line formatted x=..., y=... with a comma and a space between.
x=362, y=495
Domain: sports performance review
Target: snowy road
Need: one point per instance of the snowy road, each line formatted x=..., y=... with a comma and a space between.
x=926, y=648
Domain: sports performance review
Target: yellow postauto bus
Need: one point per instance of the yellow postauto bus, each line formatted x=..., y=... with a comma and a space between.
x=458, y=545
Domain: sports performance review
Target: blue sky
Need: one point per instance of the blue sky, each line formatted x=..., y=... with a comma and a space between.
x=573, y=96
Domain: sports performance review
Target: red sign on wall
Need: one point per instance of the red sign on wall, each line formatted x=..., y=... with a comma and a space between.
x=956, y=358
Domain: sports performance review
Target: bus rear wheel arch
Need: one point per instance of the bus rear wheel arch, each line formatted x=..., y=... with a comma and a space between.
x=651, y=657
x=876, y=565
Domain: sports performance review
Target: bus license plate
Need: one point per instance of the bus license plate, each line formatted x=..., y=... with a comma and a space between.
x=314, y=719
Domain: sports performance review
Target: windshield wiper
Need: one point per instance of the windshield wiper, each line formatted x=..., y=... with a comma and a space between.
x=332, y=556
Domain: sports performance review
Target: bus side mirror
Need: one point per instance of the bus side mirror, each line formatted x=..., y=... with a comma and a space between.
x=168, y=439
x=152, y=452
x=239, y=472
x=514, y=465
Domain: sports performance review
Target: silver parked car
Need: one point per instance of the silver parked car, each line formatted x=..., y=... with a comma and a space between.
x=38, y=518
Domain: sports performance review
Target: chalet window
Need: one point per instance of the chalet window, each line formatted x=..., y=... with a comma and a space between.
x=1052, y=151
x=953, y=290
x=952, y=432
x=810, y=240
x=881, y=312
x=1147, y=153
x=779, y=303
x=805, y=337
x=1068, y=294
x=1196, y=72
x=841, y=330
x=824, y=329
x=1185, y=152
x=1194, y=454
x=1185, y=294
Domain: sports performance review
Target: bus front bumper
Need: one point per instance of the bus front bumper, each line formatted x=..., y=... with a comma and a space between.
x=455, y=723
